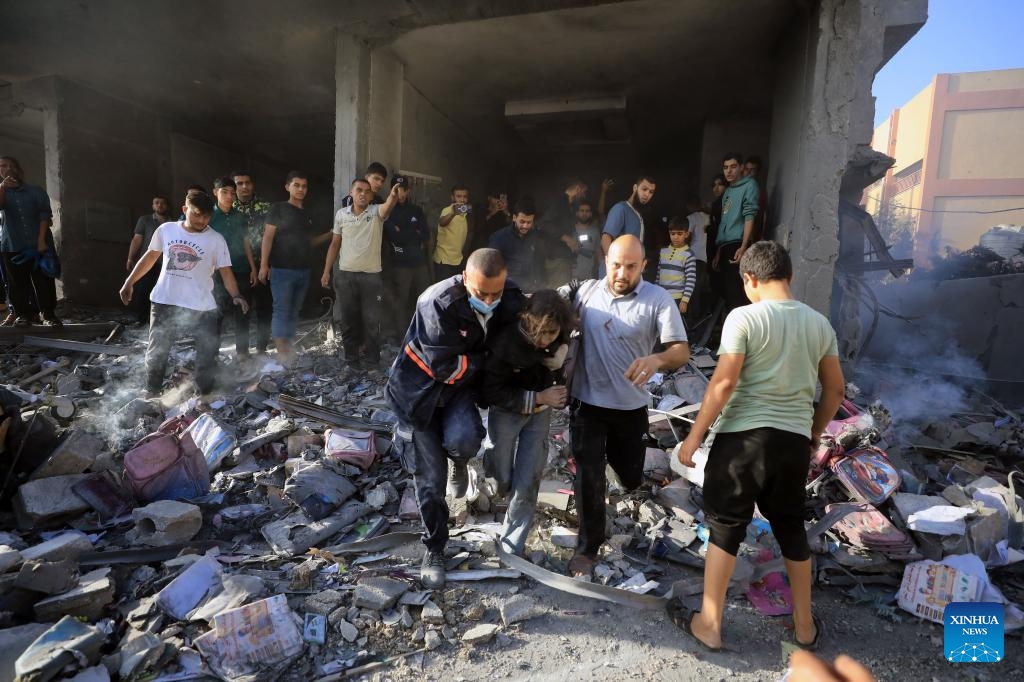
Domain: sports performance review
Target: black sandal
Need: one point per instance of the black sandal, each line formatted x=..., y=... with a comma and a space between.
x=813, y=644
x=681, y=615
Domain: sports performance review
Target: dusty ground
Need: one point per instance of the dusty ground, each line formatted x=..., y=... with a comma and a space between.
x=576, y=638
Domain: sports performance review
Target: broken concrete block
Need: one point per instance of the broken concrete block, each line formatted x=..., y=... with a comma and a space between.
x=9, y=558
x=955, y=495
x=382, y=495
x=480, y=634
x=550, y=494
x=13, y=642
x=349, y=632
x=47, y=501
x=432, y=614
x=94, y=592
x=167, y=522
x=379, y=593
x=324, y=602
x=985, y=533
x=74, y=455
x=138, y=651
x=517, y=608
x=48, y=577
x=474, y=612
x=66, y=642
x=68, y=545
x=431, y=640
x=563, y=537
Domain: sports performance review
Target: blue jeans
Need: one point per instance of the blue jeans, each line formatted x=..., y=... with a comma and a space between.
x=514, y=456
x=454, y=432
x=288, y=288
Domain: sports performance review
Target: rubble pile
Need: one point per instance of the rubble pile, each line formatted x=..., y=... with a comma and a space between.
x=270, y=534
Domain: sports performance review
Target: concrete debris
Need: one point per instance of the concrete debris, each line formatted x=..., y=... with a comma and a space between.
x=517, y=609
x=432, y=614
x=87, y=601
x=432, y=640
x=348, y=631
x=75, y=454
x=48, y=577
x=47, y=502
x=69, y=545
x=13, y=642
x=67, y=642
x=379, y=593
x=480, y=634
x=310, y=522
x=563, y=537
x=167, y=523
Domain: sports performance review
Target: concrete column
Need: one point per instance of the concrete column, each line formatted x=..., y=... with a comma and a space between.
x=822, y=119
x=351, y=111
x=102, y=157
x=387, y=79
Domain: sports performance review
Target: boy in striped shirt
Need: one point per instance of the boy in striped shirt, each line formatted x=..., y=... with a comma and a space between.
x=677, y=268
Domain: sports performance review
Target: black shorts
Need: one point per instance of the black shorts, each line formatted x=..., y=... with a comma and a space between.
x=766, y=466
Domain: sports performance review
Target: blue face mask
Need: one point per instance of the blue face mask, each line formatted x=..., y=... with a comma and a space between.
x=482, y=307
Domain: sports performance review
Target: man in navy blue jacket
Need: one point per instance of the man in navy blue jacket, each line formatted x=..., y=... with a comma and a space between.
x=434, y=388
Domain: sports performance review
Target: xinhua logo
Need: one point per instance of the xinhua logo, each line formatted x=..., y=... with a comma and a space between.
x=973, y=632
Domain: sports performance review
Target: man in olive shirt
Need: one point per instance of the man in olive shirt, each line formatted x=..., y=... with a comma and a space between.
x=232, y=225
x=255, y=209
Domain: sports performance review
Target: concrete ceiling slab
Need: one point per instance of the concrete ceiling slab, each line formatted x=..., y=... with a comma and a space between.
x=233, y=70
x=676, y=61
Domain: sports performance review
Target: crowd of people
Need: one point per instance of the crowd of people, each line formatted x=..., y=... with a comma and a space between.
x=500, y=314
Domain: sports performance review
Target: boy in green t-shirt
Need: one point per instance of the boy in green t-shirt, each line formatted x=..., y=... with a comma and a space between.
x=773, y=353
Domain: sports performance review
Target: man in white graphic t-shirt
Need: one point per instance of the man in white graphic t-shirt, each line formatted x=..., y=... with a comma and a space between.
x=182, y=300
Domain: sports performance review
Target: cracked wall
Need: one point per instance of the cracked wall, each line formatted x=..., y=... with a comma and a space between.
x=822, y=120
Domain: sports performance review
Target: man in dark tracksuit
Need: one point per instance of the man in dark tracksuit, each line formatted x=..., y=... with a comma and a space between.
x=434, y=388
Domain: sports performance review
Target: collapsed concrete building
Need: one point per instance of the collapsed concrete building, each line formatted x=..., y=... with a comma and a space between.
x=107, y=103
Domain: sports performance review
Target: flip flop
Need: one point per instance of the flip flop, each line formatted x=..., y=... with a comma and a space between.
x=813, y=644
x=681, y=615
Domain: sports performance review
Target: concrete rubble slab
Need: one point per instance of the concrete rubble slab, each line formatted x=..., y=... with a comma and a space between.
x=480, y=634
x=66, y=642
x=517, y=608
x=432, y=640
x=13, y=642
x=166, y=522
x=432, y=614
x=68, y=545
x=48, y=501
x=75, y=454
x=87, y=601
x=48, y=577
x=379, y=594
x=564, y=537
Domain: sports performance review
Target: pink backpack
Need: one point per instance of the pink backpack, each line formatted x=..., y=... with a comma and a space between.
x=166, y=466
x=351, y=447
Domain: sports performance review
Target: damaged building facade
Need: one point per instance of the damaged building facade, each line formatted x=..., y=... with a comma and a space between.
x=107, y=104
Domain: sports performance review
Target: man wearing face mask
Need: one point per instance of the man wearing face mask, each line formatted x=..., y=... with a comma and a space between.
x=434, y=389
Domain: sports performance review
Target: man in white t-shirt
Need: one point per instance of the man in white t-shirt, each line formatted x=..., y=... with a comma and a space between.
x=182, y=300
x=355, y=246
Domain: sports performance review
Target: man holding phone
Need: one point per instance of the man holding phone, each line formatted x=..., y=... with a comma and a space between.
x=452, y=232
